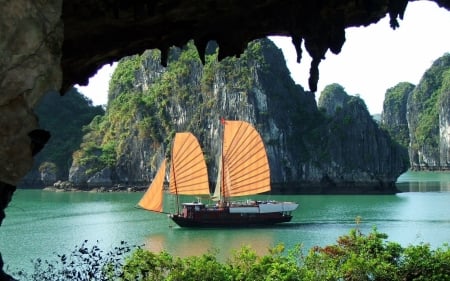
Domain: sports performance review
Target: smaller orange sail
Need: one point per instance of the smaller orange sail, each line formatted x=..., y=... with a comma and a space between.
x=153, y=197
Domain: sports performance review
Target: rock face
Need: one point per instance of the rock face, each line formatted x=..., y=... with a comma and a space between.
x=393, y=117
x=66, y=131
x=342, y=151
x=31, y=36
x=428, y=118
x=360, y=153
x=320, y=26
x=426, y=132
x=444, y=122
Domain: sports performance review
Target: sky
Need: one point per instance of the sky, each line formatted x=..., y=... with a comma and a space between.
x=373, y=58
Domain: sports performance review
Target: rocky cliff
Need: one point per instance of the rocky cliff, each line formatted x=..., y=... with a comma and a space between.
x=393, y=117
x=356, y=152
x=418, y=117
x=341, y=150
x=428, y=118
x=52, y=163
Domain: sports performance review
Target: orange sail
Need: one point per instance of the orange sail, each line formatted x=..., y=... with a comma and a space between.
x=188, y=173
x=153, y=197
x=245, y=167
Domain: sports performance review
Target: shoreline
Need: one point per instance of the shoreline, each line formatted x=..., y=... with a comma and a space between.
x=325, y=190
x=92, y=190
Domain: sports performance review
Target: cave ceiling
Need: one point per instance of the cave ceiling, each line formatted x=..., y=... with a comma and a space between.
x=100, y=32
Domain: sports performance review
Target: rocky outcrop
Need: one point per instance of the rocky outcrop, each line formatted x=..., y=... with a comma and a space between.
x=342, y=151
x=428, y=114
x=393, y=117
x=56, y=114
x=103, y=179
x=444, y=121
x=360, y=153
x=418, y=117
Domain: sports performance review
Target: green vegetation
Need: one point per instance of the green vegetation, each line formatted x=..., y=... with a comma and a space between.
x=124, y=76
x=427, y=97
x=395, y=107
x=150, y=103
x=355, y=256
x=332, y=91
x=48, y=166
x=65, y=124
x=151, y=114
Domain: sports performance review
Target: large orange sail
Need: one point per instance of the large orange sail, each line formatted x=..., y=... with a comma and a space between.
x=153, y=197
x=245, y=169
x=188, y=173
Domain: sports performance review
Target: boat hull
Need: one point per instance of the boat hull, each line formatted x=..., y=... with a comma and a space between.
x=226, y=219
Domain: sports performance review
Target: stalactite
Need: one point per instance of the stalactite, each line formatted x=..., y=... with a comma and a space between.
x=297, y=41
x=396, y=9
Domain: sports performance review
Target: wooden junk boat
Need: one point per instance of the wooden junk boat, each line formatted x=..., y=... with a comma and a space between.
x=243, y=170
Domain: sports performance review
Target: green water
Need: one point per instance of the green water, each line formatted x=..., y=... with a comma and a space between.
x=40, y=223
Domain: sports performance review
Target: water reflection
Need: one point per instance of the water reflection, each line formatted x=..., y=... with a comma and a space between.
x=430, y=186
x=183, y=242
x=420, y=181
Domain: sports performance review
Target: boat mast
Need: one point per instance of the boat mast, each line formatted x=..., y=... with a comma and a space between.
x=222, y=176
x=177, y=202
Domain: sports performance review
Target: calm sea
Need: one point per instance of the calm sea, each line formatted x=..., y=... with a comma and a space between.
x=40, y=223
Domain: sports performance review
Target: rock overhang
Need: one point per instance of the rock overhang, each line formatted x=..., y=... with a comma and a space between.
x=100, y=32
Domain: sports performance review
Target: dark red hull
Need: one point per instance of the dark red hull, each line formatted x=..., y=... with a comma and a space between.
x=226, y=219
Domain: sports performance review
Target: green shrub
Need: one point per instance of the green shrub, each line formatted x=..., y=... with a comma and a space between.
x=421, y=263
x=355, y=257
x=48, y=166
x=146, y=265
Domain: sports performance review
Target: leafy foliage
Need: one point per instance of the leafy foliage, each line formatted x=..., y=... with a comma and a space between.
x=354, y=257
x=427, y=97
x=124, y=76
x=48, y=166
x=333, y=91
x=151, y=114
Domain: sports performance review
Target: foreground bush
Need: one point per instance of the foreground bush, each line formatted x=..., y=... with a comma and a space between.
x=354, y=257
x=83, y=263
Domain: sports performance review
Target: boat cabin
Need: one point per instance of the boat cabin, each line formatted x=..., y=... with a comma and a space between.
x=190, y=208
